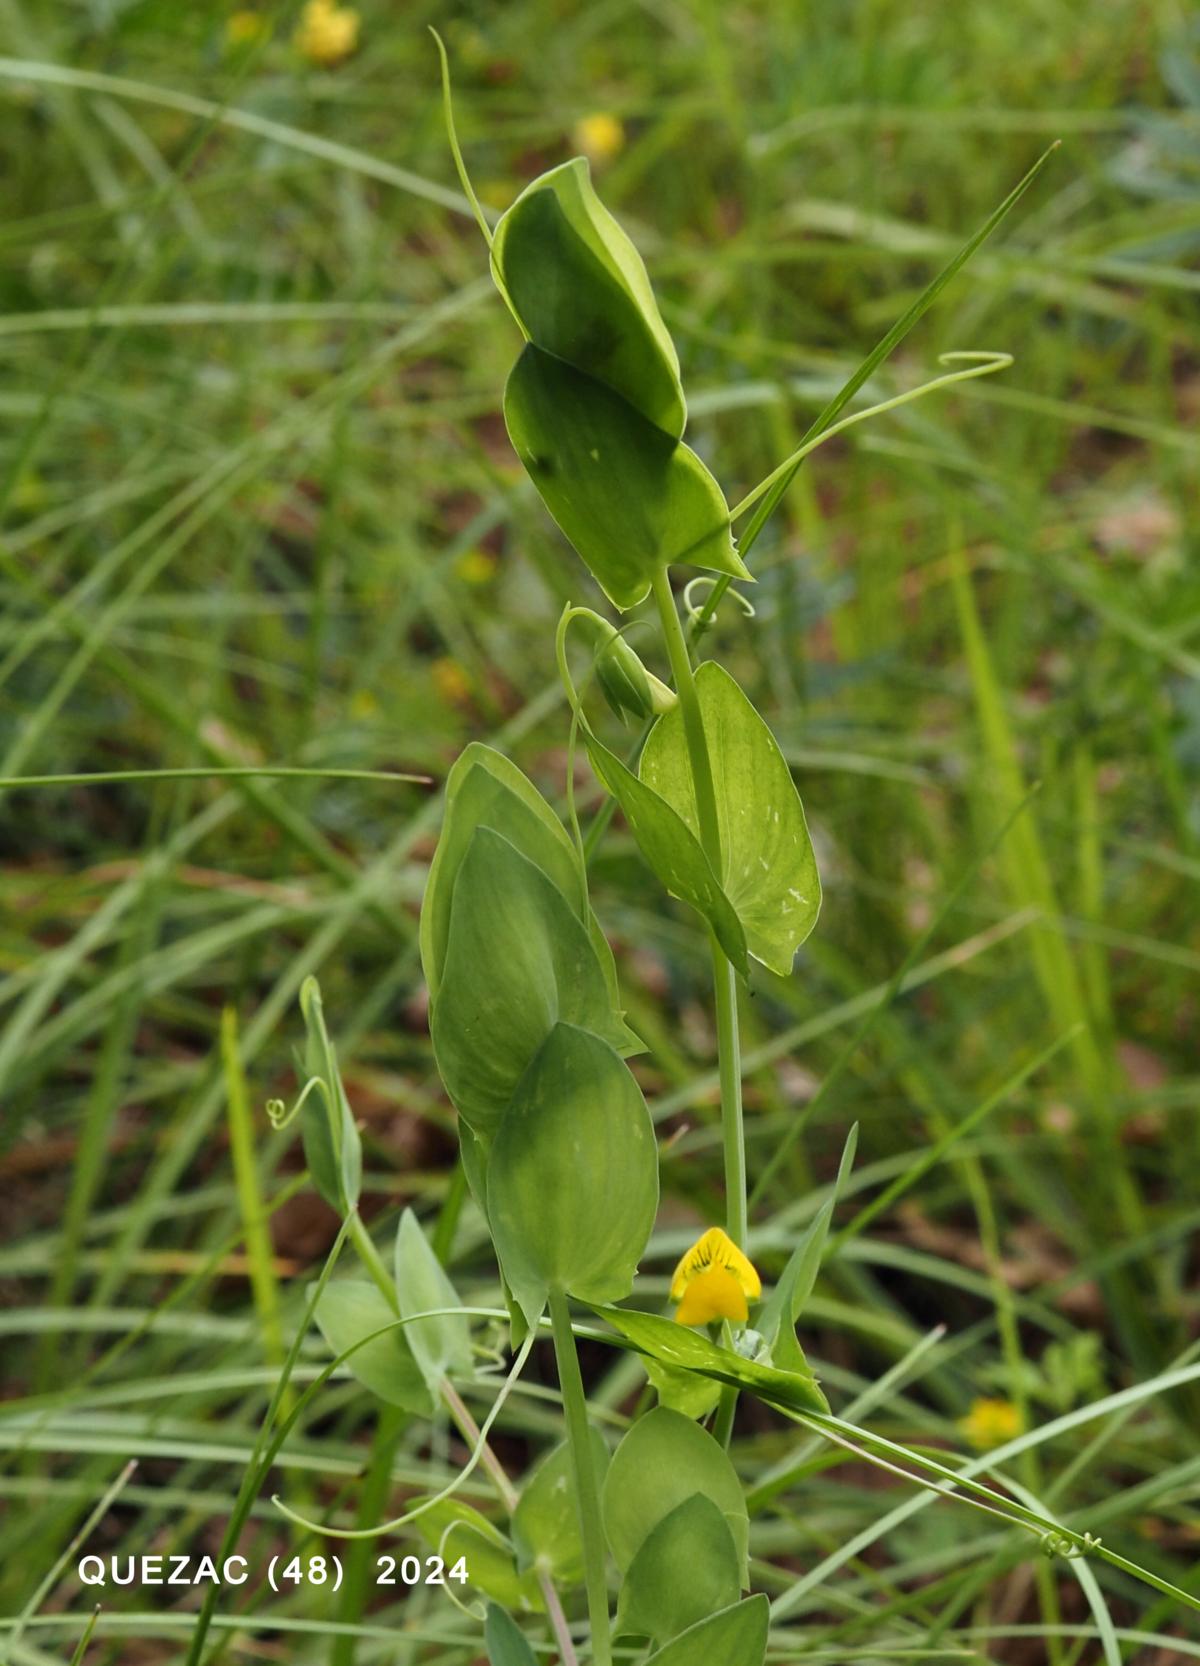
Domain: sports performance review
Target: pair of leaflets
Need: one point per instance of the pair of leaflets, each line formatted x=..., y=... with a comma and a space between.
x=765, y=900
x=594, y=405
x=529, y=1040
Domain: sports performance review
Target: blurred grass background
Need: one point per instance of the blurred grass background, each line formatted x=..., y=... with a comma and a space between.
x=258, y=506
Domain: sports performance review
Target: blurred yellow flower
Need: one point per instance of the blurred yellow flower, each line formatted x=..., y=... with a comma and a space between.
x=363, y=704
x=600, y=137
x=246, y=28
x=476, y=566
x=327, y=32
x=714, y=1280
x=450, y=681
x=991, y=1422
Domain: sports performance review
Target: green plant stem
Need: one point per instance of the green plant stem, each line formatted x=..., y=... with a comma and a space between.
x=729, y=1059
x=508, y=1497
x=469, y=1430
x=729, y=1062
x=587, y=1493
x=693, y=722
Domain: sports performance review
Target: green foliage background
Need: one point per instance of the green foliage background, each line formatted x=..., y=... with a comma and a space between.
x=258, y=506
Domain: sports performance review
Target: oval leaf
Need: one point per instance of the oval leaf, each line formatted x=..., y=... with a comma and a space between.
x=735, y=1636
x=580, y=290
x=351, y=1309
x=768, y=870
x=517, y=962
x=671, y=849
x=630, y=497
x=485, y=789
x=685, y=1569
x=545, y=1523
x=441, y=1346
x=662, y=1461
x=572, y=1183
x=504, y=1643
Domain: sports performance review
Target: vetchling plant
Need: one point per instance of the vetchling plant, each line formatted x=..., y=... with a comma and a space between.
x=557, y=1143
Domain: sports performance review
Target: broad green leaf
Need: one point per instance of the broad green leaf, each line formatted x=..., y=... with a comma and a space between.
x=504, y=1643
x=776, y=1322
x=662, y=1461
x=671, y=848
x=735, y=1636
x=454, y=1529
x=688, y=1350
x=545, y=1523
x=579, y=289
x=442, y=1346
x=630, y=497
x=484, y=789
x=350, y=1309
x=518, y=961
x=685, y=1569
x=769, y=872
x=332, y=1148
x=573, y=1175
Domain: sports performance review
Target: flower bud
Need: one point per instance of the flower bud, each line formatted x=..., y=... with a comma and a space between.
x=631, y=690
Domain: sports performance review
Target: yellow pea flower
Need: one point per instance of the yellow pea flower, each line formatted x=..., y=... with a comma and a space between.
x=327, y=32
x=600, y=137
x=714, y=1280
x=991, y=1423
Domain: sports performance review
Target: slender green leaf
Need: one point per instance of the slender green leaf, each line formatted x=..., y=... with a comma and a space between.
x=777, y=1317
x=688, y=1350
x=882, y=350
x=332, y=1148
x=768, y=870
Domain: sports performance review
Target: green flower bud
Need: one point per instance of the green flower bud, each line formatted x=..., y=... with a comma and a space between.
x=631, y=690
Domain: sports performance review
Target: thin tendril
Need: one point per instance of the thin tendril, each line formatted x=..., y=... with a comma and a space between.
x=278, y=1114
x=695, y=611
x=979, y=363
x=572, y=812
x=472, y=1463
x=479, y=1613
x=452, y=135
